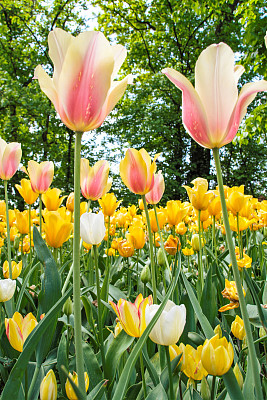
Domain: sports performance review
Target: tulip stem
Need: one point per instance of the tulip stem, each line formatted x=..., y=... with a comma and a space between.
x=76, y=267
x=242, y=302
x=99, y=308
x=212, y=393
x=150, y=237
x=8, y=232
x=161, y=240
x=40, y=213
x=30, y=233
x=200, y=264
x=143, y=374
x=34, y=378
x=170, y=372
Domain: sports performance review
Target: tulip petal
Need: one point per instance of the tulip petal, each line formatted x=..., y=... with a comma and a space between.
x=193, y=113
x=14, y=335
x=58, y=42
x=47, y=85
x=119, y=54
x=133, y=171
x=10, y=160
x=216, y=85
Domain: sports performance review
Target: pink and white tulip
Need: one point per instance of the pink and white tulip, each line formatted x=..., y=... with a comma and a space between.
x=82, y=88
x=94, y=180
x=41, y=175
x=213, y=110
x=10, y=156
x=156, y=193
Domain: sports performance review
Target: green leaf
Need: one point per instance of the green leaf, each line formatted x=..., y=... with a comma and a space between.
x=158, y=393
x=209, y=299
x=62, y=359
x=150, y=368
x=133, y=391
x=23, y=287
x=164, y=377
x=92, y=366
x=253, y=314
x=97, y=392
x=12, y=386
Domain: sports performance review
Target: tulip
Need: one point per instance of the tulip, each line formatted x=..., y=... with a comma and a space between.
x=92, y=228
x=7, y=289
x=94, y=180
x=22, y=221
x=70, y=202
x=41, y=175
x=10, y=156
x=188, y=251
x=213, y=110
x=82, y=88
x=132, y=315
x=191, y=364
x=48, y=388
x=230, y=292
x=137, y=171
x=161, y=219
x=237, y=328
x=239, y=376
x=235, y=199
x=215, y=207
x=19, y=328
x=57, y=230
x=217, y=356
x=16, y=269
x=176, y=211
x=69, y=390
x=199, y=195
x=125, y=248
x=51, y=199
x=171, y=245
x=181, y=228
x=156, y=193
x=137, y=236
x=170, y=324
x=25, y=190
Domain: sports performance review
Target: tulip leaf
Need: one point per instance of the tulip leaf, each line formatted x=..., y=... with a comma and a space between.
x=23, y=287
x=75, y=388
x=191, y=394
x=249, y=386
x=164, y=377
x=158, y=393
x=133, y=391
x=92, y=366
x=150, y=368
x=251, y=285
x=12, y=386
x=208, y=299
x=97, y=392
x=62, y=359
x=127, y=370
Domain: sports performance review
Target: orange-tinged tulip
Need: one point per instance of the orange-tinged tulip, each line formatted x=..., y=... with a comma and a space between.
x=213, y=110
x=94, y=180
x=176, y=211
x=108, y=204
x=51, y=199
x=40, y=174
x=137, y=171
x=19, y=328
x=115, y=243
x=137, y=236
x=217, y=355
x=199, y=195
x=156, y=193
x=181, y=228
x=132, y=315
x=171, y=245
x=125, y=248
x=70, y=202
x=25, y=190
x=83, y=89
x=57, y=230
x=22, y=221
x=48, y=388
x=10, y=156
x=69, y=390
x=16, y=269
x=230, y=292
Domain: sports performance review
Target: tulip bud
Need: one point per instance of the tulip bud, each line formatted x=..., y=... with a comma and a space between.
x=205, y=389
x=16, y=242
x=145, y=274
x=239, y=376
x=218, y=330
x=160, y=257
x=69, y=390
x=68, y=307
x=195, y=242
x=238, y=329
x=217, y=356
x=262, y=332
x=48, y=388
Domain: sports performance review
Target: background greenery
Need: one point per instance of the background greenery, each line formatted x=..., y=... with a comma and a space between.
x=157, y=34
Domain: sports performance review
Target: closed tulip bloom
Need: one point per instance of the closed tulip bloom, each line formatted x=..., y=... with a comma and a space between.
x=199, y=195
x=236, y=199
x=40, y=174
x=170, y=324
x=57, y=230
x=16, y=269
x=51, y=199
x=93, y=228
x=132, y=315
x=48, y=388
x=171, y=245
x=181, y=228
x=108, y=204
x=69, y=390
x=83, y=89
x=176, y=212
x=137, y=171
x=237, y=328
x=22, y=221
x=19, y=328
x=156, y=193
x=25, y=190
x=7, y=289
x=191, y=364
x=215, y=207
x=94, y=180
x=161, y=219
x=213, y=110
x=217, y=356
x=137, y=236
x=10, y=156
x=70, y=202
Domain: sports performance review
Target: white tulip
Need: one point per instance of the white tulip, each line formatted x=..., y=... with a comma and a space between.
x=93, y=228
x=170, y=324
x=7, y=289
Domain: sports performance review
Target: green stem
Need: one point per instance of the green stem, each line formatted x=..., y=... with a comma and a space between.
x=26, y=383
x=150, y=237
x=99, y=307
x=30, y=232
x=76, y=267
x=254, y=361
x=212, y=393
x=170, y=372
x=8, y=233
x=161, y=240
x=40, y=213
x=34, y=378
x=200, y=252
x=143, y=374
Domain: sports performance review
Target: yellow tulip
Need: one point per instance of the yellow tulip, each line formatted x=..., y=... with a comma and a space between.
x=217, y=356
x=191, y=364
x=238, y=375
x=188, y=251
x=137, y=236
x=51, y=199
x=109, y=203
x=125, y=248
x=19, y=328
x=243, y=223
x=230, y=292
x=161, y=219
x=171, y=245
x=48, y=388
x=16, y=269
x=25, y=190
x=132, y=315
x=181, y=228
x=22, y=221
x=199, y=195
x=57, y=230
x=237, y=328
x=176, y=211
x=70, y=202
x=235, y=199
x=69, y=390
x=215, y=207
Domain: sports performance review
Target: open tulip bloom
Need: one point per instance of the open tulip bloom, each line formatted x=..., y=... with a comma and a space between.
x=213, y=110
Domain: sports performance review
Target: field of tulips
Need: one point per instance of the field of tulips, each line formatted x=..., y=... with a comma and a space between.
x=102, y=301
